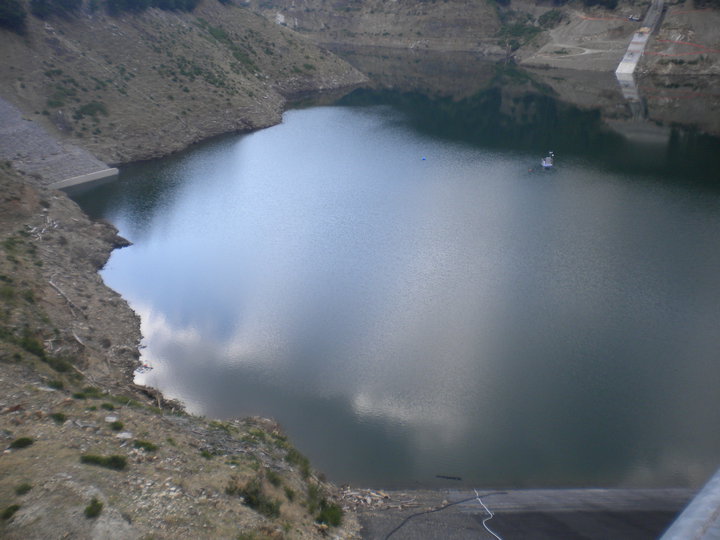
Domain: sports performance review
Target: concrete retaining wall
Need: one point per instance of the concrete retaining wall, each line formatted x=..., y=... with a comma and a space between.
x=85, y=178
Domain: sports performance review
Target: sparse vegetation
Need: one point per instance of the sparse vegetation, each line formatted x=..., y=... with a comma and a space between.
x=550, y=18
x=607, y=4
x=23, y=488
x=91, y=109
x=22, y=442
x=115, y=462
x=254, y=497
x=324, y=511
x=273, y=477
x=145, y=445
x=13, y=15
x=294, y=457
x=330, y=514
x=10, y=511
x=93, y=509
x=116, y=7
x=47, y=8
x=58, y=417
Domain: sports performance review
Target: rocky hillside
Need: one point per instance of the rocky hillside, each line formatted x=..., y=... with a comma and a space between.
x=138, y=85
x=455, y=25
x=577, y=34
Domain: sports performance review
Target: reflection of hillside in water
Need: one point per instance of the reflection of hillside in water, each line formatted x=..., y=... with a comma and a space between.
x=455, y=74
x=692, y=101
x=659, y=129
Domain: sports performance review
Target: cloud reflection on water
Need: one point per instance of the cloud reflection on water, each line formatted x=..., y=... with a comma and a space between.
x=406, y=317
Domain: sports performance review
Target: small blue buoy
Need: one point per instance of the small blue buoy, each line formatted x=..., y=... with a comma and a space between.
x=423, y=158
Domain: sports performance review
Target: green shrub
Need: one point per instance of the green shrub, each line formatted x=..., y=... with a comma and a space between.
x=59, y=364
x=23, y=488
x=91, y=109
x=46, y=8
x=314, y=498
x=607, y=4
x=274, y=478
x=93, y=509
x=114, y=462
x=294, y=457
x=145, y=445
x=22, y=442
x=330, y=514
x=115, y=7
x=108, y=406
x=7, y=293
x=91, y=391
x=117, y=425
x=550, y=18
x=13, y=15
x=10, y=511
x=254, y=497
x=56, y=384
x=32, y=345
x=58, y=417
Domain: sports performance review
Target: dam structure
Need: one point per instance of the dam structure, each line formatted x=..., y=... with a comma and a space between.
x=626, y=69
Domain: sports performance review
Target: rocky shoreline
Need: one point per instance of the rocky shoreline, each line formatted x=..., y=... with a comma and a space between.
x=87, y=453
x=77, y=432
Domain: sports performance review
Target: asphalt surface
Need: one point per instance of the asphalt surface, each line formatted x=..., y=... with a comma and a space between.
x=587, y=514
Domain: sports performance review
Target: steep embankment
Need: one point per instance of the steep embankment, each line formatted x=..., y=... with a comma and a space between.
x=136, y=86
x=448, y=25
x=579, y=35
x=86, y=453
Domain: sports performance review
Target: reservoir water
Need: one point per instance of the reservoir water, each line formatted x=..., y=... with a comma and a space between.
x=402, y=288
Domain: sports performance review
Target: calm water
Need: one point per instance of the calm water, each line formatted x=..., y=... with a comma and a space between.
x=398, y=289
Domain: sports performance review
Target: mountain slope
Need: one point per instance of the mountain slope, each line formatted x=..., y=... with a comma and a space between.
x=135, y=86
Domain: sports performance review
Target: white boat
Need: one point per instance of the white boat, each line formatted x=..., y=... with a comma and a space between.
x=549, y=161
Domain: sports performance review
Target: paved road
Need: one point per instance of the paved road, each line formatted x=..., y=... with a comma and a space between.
x=586, y=514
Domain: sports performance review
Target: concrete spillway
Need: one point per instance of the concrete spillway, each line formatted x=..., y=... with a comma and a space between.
x=632, y=56
x=625, y=72
x=638, y=42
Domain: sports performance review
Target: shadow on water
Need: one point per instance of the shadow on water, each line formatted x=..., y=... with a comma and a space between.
x=162, y=179
x=503, y=118
x=580, y=115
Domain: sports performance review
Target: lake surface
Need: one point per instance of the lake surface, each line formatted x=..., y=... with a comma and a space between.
x=410, y=297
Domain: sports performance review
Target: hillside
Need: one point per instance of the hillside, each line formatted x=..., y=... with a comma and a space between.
x=86, y=452
x=135, y=86
x=425, y=24
x=578, y=34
